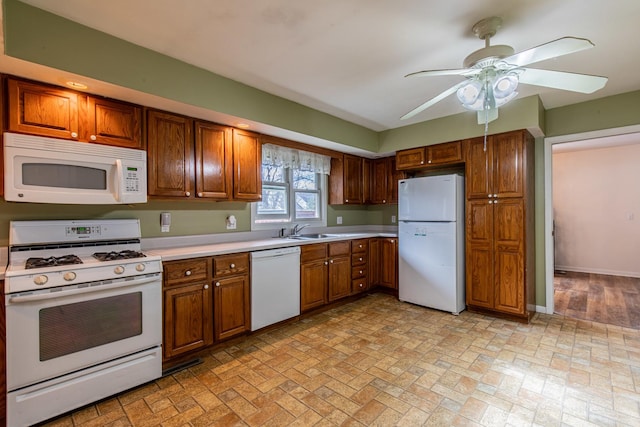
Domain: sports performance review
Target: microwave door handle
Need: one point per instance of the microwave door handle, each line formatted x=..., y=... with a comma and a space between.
x=119, y=181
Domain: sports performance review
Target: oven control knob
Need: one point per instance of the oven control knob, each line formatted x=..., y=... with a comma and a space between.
x=119, y=269
x=69, y=276
x=40, y=280
x=140, y=267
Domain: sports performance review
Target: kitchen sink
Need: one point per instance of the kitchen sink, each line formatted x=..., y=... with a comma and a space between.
x=312, y=236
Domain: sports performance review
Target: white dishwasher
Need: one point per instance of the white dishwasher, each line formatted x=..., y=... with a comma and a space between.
x=275, y=286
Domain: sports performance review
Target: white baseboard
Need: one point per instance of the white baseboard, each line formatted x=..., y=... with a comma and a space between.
x=542, y=309
x=598, y=271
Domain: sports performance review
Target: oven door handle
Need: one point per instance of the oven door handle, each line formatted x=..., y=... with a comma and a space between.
x=78, y=291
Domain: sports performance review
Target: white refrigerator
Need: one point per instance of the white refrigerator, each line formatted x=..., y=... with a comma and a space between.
x=431, y=242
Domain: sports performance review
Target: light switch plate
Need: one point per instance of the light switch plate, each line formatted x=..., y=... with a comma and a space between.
x=339, y=220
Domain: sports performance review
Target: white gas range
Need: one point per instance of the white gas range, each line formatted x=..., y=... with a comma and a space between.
x=84, y=317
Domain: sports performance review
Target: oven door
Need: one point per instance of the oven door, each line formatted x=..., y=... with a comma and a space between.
x=56, y=331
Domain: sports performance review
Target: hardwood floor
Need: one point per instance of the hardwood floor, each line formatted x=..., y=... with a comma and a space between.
x=614, y=300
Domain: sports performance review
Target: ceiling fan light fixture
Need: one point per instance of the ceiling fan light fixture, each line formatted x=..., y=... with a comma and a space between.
x=504, y=87
x=471, y=94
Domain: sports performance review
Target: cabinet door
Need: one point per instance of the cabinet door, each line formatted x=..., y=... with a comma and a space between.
x=353, y=179
x=113, y=123
x=188, y=323
x=479, y=253
x=509, y=255
x=395, y=175
x=339, y=278
x=170, y=155
x=3, y=352
x=43, y=110
x=374, y=261
x=411, y=159
x=478, y=168
x=313, y=284
x=367, y=183
x=389, y=260
x=379, y=181
x=231, y=306
x=508, y=164
x=247, y=166
x=213, y=161
x=449, y=152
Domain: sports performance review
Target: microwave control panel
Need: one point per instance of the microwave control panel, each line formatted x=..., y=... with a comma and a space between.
x=132, y=179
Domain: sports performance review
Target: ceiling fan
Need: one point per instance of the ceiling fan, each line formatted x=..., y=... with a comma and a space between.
x=493, y=73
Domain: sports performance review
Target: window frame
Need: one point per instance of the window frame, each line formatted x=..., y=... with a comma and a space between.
x=258, y=222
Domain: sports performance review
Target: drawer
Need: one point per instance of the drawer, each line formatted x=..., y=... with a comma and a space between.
x=358, y=259
x=313, y=252
x=339, y=248
x=359, y=285
x=185, y=271
x=226, y=265
x=359, y=271
x=360, y=245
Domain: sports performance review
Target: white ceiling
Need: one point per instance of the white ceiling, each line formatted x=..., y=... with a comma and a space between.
x=348, y=57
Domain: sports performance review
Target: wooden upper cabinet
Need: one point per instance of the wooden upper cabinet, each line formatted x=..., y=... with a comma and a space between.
x=170, y=155
x=346, y=180
x=447, y=153
x=43, y=110
x=367, y=184
x=498, y=171
x=395, y=176
x=247, y=166
x=213, y=161
x=431, y=155
x=411, y=159
x=114, y=123
x=380, y=177
x=478, y=168
x=353, y=178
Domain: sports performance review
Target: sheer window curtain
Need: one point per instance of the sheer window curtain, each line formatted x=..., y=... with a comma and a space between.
x=276, y=155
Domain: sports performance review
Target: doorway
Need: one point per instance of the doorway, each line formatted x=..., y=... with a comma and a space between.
x=591, y=285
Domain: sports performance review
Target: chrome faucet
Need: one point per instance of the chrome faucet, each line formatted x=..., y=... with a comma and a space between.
x=297, y=229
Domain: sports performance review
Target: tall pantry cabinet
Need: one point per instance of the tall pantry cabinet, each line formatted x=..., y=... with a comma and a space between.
x=499, y=224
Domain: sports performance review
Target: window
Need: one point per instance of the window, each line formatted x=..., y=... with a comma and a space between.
x=292, y=189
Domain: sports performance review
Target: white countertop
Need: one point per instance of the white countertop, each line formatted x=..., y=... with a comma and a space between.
x=195, y=251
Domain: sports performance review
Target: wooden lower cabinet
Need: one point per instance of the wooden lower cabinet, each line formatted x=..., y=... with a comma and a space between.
x=205, y=300
x=188, y=313
x=359, y=265
x=231, y=296
x=325, y=273
x=383, y=262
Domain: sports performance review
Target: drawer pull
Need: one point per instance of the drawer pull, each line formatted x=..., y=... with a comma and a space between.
x=187, y=273
x=232, y=265
x=206, y=286
x=217, y=284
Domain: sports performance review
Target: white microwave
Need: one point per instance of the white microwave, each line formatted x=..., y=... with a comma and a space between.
x=49, y=170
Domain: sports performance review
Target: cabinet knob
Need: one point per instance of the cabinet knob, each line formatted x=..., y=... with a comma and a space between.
x=384, y=201
x=206, y=286
x=495, y=195
x=187, y=273
x=199, y=194
x=217, y=284
x=429, y=162
x=326, y=263
x=360, y=246
x=422, y=162
x=393, y=241
x=360, y=271
x=74, y=134
x=187, y=193
x=232, y=265
x=331, y=261
x=361, y=285
x=346, y=200
x=93, y=137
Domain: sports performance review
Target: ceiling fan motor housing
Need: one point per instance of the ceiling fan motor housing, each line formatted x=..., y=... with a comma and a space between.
x=487, y=56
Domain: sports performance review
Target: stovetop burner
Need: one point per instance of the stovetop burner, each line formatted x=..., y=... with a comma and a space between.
x=112, y=256
x=52, y=261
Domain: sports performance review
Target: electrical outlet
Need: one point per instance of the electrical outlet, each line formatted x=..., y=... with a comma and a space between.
x=339, y=220
x=393, y=219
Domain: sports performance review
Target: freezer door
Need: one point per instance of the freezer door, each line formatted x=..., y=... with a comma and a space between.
x=432, y=198
x=428, y=266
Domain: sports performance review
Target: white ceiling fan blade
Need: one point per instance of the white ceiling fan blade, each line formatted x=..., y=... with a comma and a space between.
x=583, y=83
x=450, y=72
x=433, y=100
x=553, y=49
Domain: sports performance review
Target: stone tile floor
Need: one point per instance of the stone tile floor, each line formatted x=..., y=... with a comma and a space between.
x=381, y=362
